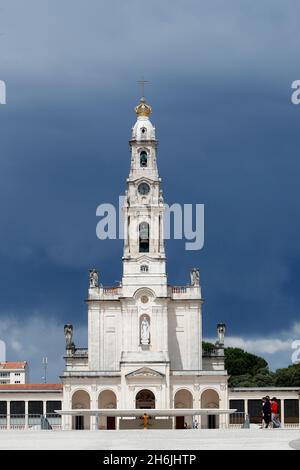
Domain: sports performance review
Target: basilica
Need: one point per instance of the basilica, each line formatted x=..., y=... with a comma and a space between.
x=144, y=336
x=144, y=361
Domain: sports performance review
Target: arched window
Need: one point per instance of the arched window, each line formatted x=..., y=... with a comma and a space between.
x=144, y=238
x=144, y=268
x=143, y=158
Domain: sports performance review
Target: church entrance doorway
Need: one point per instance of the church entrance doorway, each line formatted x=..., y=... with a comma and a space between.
x=210, y=399
x=211, y=422
x=79, y=424
x=107, y=399
x=183, y=399
x=179, y=422
x=111, y=422
x=81, y=400
x=145, y=399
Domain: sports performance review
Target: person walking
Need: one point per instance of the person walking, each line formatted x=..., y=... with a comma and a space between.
x=195, y=424
x=263, y=400
x=275, y=413
x=267, y=412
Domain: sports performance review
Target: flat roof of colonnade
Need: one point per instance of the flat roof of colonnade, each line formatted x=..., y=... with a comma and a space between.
x=15, y=388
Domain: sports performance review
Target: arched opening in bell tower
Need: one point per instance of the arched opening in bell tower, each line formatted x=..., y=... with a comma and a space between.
x=143, y=159
x=144, y=237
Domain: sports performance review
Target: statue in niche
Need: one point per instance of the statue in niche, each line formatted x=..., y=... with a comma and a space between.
x=94, y=278
x=145, y=331
x=195, y=277
x=68, y=330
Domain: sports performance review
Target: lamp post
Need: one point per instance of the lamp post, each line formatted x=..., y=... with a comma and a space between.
x=45, y=364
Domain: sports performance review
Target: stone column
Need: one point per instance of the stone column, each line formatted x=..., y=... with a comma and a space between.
x=8, y=415
x=200, y=406
x=173, y=422
x=44, y=407
x=94, y=422
x=26, y=414
x=197, y=404
x=223, y=403
x=161, y=248
x=246, y=409
x=93, y=406
x=223, y=421
x=66, y=420
x=282, y=411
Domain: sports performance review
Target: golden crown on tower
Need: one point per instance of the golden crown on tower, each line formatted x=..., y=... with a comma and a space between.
x=143, y=109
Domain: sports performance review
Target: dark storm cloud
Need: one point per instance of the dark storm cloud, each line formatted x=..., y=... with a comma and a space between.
x=221, y=74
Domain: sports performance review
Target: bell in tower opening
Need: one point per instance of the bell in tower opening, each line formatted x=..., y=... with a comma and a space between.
x=143, y=159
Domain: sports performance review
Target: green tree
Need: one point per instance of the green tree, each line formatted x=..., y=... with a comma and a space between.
x=248, y=370
x=245, y=369
x=245, y=380
x=239, y=362
x=207, y=347
x=264, y=378
x=288, y=377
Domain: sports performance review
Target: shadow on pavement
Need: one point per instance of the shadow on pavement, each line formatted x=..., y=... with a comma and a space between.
x=295, y=444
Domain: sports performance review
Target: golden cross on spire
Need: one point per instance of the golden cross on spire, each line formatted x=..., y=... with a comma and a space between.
x=142, y=84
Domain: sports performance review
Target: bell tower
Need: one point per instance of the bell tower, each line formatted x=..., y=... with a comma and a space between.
x=144, y=252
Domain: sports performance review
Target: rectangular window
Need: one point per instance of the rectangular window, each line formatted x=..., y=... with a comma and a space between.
x=35, y=407
x=3, y=408
x=53, y=405
x=291, y=411
x=255, y=411
x=238, y=417
x=238, y=405
x=17, y=407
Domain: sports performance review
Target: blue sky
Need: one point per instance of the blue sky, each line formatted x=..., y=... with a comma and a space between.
x=221, y=75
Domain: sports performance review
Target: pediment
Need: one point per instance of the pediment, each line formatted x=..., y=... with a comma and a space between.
x=144, y=258
x=144, y=372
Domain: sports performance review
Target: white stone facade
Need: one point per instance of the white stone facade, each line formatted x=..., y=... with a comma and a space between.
x=144, y=336
x=14, y=372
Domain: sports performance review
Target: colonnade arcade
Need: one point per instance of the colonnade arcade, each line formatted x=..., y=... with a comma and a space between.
x=145, y=399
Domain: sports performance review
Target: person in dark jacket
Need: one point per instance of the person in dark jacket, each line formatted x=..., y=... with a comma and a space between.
x=262, y=412
x=267, y=412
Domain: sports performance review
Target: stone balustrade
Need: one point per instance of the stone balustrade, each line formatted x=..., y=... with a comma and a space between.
x=184, y=292
x=105, y=293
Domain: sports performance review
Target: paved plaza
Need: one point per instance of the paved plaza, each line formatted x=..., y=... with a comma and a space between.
x=152, y=439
